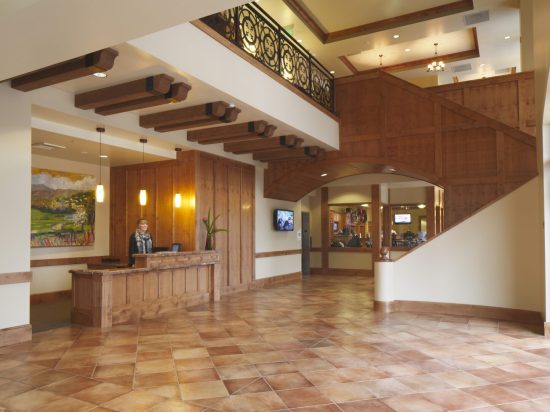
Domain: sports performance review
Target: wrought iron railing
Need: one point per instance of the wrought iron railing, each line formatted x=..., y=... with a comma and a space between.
x=256, y=32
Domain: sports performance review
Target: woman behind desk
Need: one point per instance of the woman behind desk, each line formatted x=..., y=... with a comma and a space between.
x=140, y=241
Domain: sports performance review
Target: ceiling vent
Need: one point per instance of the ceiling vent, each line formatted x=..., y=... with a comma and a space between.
x=462, y=68
x=47, y=146
x=476, y=18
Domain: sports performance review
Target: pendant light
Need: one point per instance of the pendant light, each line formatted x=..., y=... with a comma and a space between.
x=142, y=192
x=436, y=66
x=99, y=189
x=380, y=55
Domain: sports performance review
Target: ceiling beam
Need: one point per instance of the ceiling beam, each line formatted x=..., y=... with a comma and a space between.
x=270, y=143
x=308, y=152
x=191, y=117
x=232, y=133
x=99, y=61
x=157, y=85
x=177, y=93
x=309, y=20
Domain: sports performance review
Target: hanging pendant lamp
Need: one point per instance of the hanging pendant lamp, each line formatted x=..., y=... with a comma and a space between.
x=143, y=192
x=436, y=66
x=99, y=189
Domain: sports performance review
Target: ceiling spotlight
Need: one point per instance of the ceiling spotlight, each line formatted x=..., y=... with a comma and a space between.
x=299, y=40
x=395, y=36
x=324, y=174
x=332, y=72
x=507, y=37
x=421, y=206
x=101, y=75
x=103, y=156
x=407, y=50
x=365, y=205
x=482, y=65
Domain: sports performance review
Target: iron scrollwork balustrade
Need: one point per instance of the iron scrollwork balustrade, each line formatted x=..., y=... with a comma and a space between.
x=254, y=31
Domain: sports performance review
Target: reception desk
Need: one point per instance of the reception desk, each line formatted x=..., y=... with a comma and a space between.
x=159, y=283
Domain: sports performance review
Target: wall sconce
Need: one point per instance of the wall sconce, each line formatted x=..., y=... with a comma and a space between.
x=99, y=189
x=142, y=192
x=177, y=200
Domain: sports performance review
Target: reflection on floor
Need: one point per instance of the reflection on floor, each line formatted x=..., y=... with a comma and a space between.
x=50, y=315
x=312, y=346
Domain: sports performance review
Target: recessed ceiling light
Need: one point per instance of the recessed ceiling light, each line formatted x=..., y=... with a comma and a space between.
x=507, y=37
x=407, y=50
x=101, y=75
x=482, y=65
x=391, y=169
x=104, y=156
x=421, y=206
x=396, y=36
x=299, y=40
x=365, y=205
x=332, y=72
x=324, y=174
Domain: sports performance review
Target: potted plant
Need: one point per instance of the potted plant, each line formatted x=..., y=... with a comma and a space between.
x=211, y=229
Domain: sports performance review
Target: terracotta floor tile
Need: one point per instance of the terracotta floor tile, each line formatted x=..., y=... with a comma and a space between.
x=108, y=371
x=364, y=406
x=455, y=399
x=66, y=405
x=154, y=355
x=173, y=405
x=69, y=386
x=21, y=371
x=170, y=391
x=199, y=375
x=424, y=383
x=238, y=371
x=7, y=390
x=275, y=368
x=287, y=381
x=135, y=401
x=318, y=408
x=155, y=379
x=246, y=385
x=224, y=350
x=192, y=353
x=258, y=402
x=528, y=388
x=524, y=406
x=387, y=387
x=201, y=390
x=412, y=403
x=295, y=398
x=116, y=358
x=101, y=393
x=494, y=394
x=224, y=360
x=192, y=364
x=31, y=400
x=325, y=377
x=346, y=392
x=494, y=375
x=524, y=371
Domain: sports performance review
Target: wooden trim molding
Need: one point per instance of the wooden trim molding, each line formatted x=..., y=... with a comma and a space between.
x=457, y=309
x=15, y=277
x=289, y=277
x=16, y=334
x=546, y=328
x=309, y=20
x=81, y=260
x=51, y=296
x=316, y=249
x=278, y=253
x=345, y=272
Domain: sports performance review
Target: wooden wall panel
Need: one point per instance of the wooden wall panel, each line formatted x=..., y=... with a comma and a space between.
x=133, y=209
x=148, y=180
x=470, y=155
x=191, y=281
x=234, y=224
x=118, y=222
x=178, y=281
x=205, y=196
x=184, y=217
x=119, y=291
x=151, y=286
x=204, y=279
x=164, y=233
x=165, y=283
x=221, y=208
x=247, y=229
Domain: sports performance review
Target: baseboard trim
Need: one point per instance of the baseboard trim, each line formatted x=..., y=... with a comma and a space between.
x=50, y=296
x=457, y=309
x=17, y=334
x=347, y=272
x=289, y=277
x=15, y=277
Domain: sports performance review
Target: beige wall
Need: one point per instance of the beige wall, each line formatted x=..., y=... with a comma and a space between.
x=56, y=278
x=486, y=260
x=348, y=260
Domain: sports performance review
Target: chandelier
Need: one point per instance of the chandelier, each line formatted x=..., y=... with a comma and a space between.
x=436, y=66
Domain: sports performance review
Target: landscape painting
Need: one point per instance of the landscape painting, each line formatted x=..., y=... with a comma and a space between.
x=62, y=209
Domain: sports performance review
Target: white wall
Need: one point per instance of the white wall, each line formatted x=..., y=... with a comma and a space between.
x=490, y=259
x=15, y=180
x=269, y=240
x=349, y=194
x=57, y=278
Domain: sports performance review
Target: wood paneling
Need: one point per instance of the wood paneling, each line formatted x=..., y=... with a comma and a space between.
x=205, y=182
x=90, y=260
x=279, y=253
x=15, y=277
x=390, y=126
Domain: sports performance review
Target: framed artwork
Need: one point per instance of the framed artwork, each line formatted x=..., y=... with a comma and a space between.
x=62, y=209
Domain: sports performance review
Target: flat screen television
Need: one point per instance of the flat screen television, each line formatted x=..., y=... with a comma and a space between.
x=283, y=220
x=402, y=218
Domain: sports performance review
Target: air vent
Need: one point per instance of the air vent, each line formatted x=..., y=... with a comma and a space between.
x=476, y=18
x=462, y=68
x=47, y=146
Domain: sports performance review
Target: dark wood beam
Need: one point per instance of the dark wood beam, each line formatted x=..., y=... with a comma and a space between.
x=230, y=115
x=308, y=152
x=235, y=132
x=271, y=143
x=178, y=93
x=99, y=61
x=157, y=85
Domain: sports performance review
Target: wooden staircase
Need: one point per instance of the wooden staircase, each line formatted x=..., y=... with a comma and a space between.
x=443, y=135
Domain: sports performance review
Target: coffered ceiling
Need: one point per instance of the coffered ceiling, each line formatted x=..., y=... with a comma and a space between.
x=349, y=35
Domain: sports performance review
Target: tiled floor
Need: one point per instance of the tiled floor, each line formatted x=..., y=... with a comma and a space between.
x=314, y=346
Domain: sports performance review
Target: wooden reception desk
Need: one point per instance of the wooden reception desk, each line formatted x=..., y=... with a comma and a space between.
x=160, y=283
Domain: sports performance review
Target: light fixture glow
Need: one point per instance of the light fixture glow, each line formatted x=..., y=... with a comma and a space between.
x=99, y=189
x=177, y=200
x=324, y=174
x=436, y=66
x=507, y=37
x=103, y=156
x=407, y=50
x=395, y=36
x=299, y=40
x=365, y=205
x=100, y=75
x=421, y=206
x=332, y=72
x=143, y=192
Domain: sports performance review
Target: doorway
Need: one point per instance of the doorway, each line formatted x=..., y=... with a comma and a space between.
x=306, y=244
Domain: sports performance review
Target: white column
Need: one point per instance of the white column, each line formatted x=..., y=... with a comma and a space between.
x=383, y=281
x=15, y=204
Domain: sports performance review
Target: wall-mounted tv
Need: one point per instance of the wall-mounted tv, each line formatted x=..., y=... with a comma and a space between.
x=402, y=218
x=283, y=219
